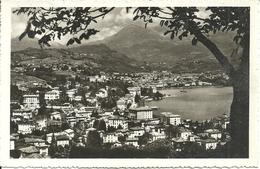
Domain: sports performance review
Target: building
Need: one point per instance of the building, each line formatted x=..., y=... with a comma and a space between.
x=26, y=152
x=49, y=136
x=214, y=133
x=25, y=113
x=136, y=132
x=55, y=115
x=12, y=142
x=184, y=133
x=69, y=133
x=62, y=140
x=170, y=118
x=156, y=136
x=121, y=104
x=71, y=94
x=52, y=95
x=117, y=121
x=44, y=150
x=141, y=113
x=134, y=91
x=34, y=141
x=78, y=98
x=25, y=128
x=110, y=138
x=31, y=101
x=132, y=141
x=209, y=144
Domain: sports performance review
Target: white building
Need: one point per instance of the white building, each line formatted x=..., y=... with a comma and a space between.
x=141, y=113
x=132, y=141
x=31, y=101
x=78, y=98
x=156, y=136
x=184, y=133
x=69, y=133
x=121, y=104
x=214, y=133
x=172, y=119
x=12, y=143
x=44, y=150
x=71, y=94
x=117, y=121
x=25, y=113
x=52, y=95
x=136, y=132
x=25, y=128
x=209, y=144
x=110, y=138
x=55, y=115
x=62, y=140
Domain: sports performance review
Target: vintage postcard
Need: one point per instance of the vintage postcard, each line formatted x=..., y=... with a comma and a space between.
x=129, y=83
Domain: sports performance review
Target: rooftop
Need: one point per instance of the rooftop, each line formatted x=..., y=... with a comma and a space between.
x=33, y=140
x=29, y=150
x=136, y=128
x=212, y=131
x=170, y=114
x=62, y=137
x=145, y=108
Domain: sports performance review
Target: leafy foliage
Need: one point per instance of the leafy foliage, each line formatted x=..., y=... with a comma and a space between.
x=51, y=23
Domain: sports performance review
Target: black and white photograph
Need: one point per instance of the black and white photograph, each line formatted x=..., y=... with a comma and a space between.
x=129, y=82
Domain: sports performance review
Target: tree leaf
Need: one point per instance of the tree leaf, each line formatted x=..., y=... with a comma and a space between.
x=167, y=32
x=77, y=40
x=70, y=42
x=31, y=34
x=135, y=17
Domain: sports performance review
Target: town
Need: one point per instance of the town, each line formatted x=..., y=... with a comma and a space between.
x=105, y=115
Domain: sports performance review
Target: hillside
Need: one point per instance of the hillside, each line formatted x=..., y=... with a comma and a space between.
x=17, y=45
x=132, y=47
x=95, y=56
x=148, y=46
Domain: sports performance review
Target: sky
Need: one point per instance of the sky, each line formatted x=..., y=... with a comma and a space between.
x=111, y=24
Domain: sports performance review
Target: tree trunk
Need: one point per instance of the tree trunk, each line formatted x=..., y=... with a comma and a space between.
x=239, y=113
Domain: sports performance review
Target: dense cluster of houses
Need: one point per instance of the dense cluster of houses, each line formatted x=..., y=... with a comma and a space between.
x=125, y=124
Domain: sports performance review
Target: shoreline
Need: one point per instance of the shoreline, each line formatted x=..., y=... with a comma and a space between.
x=194, y=87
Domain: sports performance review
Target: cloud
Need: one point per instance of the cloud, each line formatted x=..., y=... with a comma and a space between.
x=107, y=26
x=18, y=24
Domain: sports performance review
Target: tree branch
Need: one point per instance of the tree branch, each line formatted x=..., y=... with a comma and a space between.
x=222, y=59
x=103, y=14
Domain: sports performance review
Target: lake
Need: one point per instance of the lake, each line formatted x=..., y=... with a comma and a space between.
x=195, y=103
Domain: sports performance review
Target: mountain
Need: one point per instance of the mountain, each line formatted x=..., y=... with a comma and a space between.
x=94, y=57
x=17, y=45
x=149, y=47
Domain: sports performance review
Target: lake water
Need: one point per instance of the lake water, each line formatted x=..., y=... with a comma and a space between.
x=196, y=103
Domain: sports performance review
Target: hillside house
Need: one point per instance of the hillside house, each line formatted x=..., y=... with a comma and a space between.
x=169, y=118
x=31, y=101
x=52, y=95
x=117, y=121
x=141, y=113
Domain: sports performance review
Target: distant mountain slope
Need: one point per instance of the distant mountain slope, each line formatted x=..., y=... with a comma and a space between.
x=147, y=45
x=17, y=45
x=131, y=46
x=94, y=56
